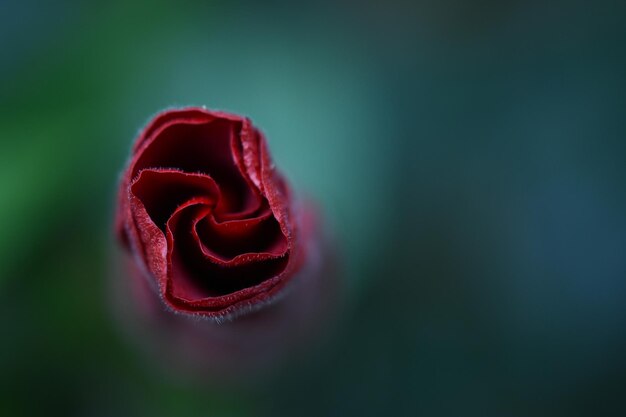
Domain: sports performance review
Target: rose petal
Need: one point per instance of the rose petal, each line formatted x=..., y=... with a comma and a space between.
x=193, y=279
x=202, y=148
x=227, y=240
x=161, y=191
x=190, y=115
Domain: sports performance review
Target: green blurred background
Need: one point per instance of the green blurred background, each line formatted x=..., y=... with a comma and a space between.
x=469, y=156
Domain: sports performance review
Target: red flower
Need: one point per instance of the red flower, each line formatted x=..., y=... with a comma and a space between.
x=206, y=216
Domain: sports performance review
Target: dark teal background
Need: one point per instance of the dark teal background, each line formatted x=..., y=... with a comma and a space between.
x=469, y=156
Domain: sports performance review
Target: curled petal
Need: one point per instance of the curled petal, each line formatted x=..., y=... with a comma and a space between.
x=161, y=191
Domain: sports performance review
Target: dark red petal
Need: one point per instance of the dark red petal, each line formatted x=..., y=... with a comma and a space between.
x=190, y=115
x=275, y=190
x=193, y=279
x=246, y=151
x=225, y=241
x=161, y=191
x=203, y=148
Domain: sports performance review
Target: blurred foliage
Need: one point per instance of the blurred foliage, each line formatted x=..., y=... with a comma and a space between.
x=469, y=156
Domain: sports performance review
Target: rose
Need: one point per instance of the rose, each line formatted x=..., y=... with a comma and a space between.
x=211, y=227
x=206, y=216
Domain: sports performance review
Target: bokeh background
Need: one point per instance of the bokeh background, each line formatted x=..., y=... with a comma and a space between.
x=470, y=157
